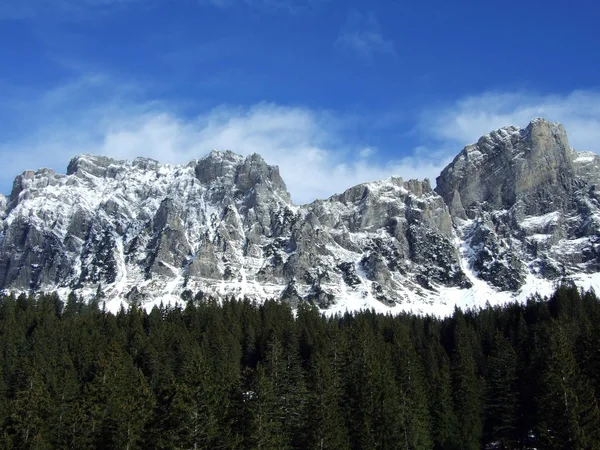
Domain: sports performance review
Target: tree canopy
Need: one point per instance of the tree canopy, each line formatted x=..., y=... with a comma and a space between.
x=236, y=374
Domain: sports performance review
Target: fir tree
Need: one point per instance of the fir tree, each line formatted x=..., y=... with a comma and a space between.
x=501, y=407
x=30, y=411
x=566, y=404
x=467, y=386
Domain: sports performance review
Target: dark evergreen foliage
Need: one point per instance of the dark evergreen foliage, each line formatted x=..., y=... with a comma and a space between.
x=237, y=375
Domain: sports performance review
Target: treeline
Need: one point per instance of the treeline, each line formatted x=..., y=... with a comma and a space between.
x=239, y=375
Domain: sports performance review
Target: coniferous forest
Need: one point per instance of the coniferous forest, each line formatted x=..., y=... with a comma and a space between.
x=234, y=374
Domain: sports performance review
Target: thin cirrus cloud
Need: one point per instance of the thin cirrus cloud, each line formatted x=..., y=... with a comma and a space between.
x=362, y=36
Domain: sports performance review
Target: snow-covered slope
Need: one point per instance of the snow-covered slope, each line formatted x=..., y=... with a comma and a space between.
x=223, y=225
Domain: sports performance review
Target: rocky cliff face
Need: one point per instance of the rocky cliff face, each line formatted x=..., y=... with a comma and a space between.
x=525, y=203
x=518, y=205
x=530, y=170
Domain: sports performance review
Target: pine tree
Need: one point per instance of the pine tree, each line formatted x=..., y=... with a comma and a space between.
x=416, y=422
x=67, y=416
x=268, y=430
x=326, y=427
x=502, y=407
x=197, y=412
x=279, y=399
x=119, y=401
x=567, y=406
x=30, y=411
x=467, y=386
x=443, y=414
x=372, y=398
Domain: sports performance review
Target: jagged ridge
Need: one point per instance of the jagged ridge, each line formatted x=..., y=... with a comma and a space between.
x=517, y=207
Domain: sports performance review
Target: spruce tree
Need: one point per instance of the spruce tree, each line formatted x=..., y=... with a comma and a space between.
x=119, y=401
x=416, y=422
x=326, y=428
x=29, y=414
x=267, y=417
x=502, y=401
x=467, y=386
x=566, y=404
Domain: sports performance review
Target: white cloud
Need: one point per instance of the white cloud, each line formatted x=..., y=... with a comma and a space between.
x=314, y=149
x=305, y=144
x=315, y=158
x=362, y=36
x=466, y=120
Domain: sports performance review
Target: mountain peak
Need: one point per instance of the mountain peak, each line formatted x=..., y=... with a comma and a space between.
x=224, y=225
x=243, y=173
x=223, y=155
x=507, y=165
x=538, y=128
x=92, y=164
x=542, y=122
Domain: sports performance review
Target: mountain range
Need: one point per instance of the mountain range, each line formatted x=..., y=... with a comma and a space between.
x=514, y=213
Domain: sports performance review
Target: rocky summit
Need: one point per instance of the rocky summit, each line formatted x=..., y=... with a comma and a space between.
x=512, y=214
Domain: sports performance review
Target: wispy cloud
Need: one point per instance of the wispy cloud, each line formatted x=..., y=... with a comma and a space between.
x=467, y=119
x=92, y=115
x=64, y=10
x=362, y=36
x=288, y=6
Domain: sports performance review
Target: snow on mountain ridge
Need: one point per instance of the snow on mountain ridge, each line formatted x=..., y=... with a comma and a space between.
x=224, y=225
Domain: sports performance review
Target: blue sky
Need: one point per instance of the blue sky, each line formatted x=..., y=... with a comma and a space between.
x=334, y=92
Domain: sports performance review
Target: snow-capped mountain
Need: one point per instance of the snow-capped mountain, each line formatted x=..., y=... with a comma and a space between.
x=510, y=215
x=525, y=203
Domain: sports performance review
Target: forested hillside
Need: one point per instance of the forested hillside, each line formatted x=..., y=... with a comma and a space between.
x=240, y=375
